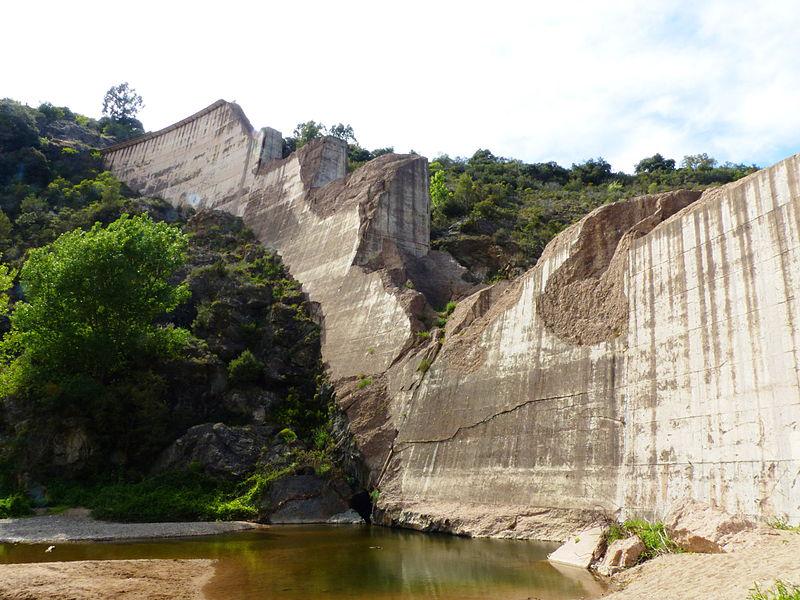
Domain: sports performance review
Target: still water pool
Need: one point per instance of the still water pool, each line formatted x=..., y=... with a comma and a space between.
x=349, y=562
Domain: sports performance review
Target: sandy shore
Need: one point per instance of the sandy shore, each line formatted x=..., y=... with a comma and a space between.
x=775, y=555
x=92, y=580
x=77, y=525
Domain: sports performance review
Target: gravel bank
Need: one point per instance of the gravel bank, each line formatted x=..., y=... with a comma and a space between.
x=76, y=525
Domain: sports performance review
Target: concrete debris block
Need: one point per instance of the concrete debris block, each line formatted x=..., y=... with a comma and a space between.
x=620, y=555
x=581, y=549
x=698, y=527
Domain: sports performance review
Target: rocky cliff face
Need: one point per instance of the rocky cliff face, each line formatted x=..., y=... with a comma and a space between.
x=650, y=355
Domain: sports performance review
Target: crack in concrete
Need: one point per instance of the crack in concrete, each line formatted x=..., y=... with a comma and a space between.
x=502, y=412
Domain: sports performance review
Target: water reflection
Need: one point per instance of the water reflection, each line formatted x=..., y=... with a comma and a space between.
x=350, y=562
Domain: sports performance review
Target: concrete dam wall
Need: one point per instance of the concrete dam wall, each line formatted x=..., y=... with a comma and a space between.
x=651, y=354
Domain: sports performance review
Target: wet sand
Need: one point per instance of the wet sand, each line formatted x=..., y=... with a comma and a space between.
x=93, y=580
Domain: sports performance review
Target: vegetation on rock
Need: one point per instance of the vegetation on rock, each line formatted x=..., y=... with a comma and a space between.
x=131, y=322
x=653, y=535
x=495, y=215
x=14, y=505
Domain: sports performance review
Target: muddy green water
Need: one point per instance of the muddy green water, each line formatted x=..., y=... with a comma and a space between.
x=349, y=562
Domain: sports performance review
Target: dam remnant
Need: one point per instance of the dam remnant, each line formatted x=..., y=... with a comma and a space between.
x=651, y=355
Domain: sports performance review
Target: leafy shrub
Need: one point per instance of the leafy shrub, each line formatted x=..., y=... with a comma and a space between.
x=15, y=505
x=181, y=496
x=246, y=369
x=287, y=435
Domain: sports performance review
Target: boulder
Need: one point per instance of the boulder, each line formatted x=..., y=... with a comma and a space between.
x=305, y=498
x=581, y=549
x=348, y=517
x=220, y=450
x=620, y=555
x=699, y=527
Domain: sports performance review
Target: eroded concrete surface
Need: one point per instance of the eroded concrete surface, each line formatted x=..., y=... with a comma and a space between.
x=650, y=355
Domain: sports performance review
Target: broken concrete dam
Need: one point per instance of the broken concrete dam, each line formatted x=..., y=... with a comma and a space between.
x=651, y=355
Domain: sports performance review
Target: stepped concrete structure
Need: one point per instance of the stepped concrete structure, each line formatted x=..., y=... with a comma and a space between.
x=651, y=355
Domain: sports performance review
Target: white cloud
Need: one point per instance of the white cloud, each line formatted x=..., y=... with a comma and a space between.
x=538, y=81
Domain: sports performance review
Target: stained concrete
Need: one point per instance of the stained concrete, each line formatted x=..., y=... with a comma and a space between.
x=650, y=355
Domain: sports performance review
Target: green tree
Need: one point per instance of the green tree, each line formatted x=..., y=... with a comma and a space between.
x=698, y=162
x=463, y=198
x=654, y=164
x=121, y=104
x=6, y=281
x=440, y=194
x=343, y=132
x=92, y=299
x=17, y=126
x=594, y=171
x=305, y=132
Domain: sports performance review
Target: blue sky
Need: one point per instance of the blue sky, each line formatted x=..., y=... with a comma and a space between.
x=539, y=81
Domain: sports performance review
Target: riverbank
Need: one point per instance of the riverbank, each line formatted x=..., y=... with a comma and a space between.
x=100, y=579
x=77, y=525
x=282, y=560
x=774, y=555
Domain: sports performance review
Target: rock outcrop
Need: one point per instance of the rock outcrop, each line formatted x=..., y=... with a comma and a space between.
x=307, y=498
x=217, y=449
x=650, y=355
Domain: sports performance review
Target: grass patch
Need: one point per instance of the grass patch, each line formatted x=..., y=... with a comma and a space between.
x=783, y=525
x=780, y=591
x=653, y=536
x=16, y=505
x=424, y=365
x=363, y=381
x=424, y=335
x=449, y=308
x=444, y=314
